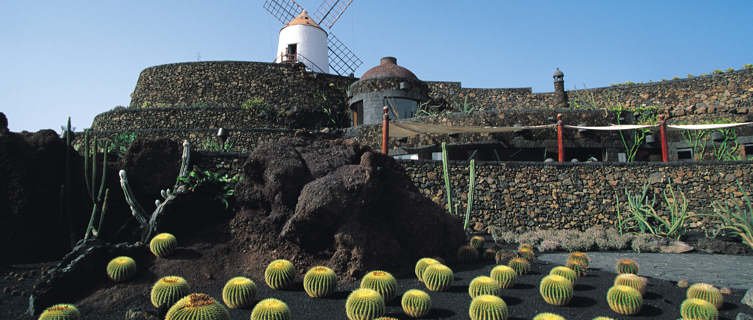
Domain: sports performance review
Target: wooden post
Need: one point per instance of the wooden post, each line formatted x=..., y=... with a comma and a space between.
x=385, y=128
x=560, y=147
x=663, y=136
x=355, y=118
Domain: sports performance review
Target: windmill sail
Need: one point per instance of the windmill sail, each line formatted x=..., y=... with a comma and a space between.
x=283, y=10
x=330, y=11
x=341, y=59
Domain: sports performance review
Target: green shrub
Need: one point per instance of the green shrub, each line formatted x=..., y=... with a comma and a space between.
x=168, y=290
x=197, y=306
x=382, y=282
x=416, y=303
x=364, y=304
x=718, y=71
x=730, y=69
x=320, y=281
x=61, y=312
x=690, y=75
x=624, y=300
x=748, y=66
x=220, y=188
x=271, y=309
x=675, y=78
x=487, y=307
x=121, y=268
x=163, y=245
x=556, y=290
x=239, y=292
x=279, y=274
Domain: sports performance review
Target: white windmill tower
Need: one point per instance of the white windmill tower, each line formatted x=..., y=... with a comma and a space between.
x=304, y=39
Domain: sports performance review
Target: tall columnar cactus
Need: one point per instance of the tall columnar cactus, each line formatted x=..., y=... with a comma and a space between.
x=631, y=280
x=239, y=292
x=446, y=174
x=168, y=290
x=197, y=306
x=467, y=254
x=526, y=253
x=95, y=187
x=566, y=273
x=62, y=311
x=121, y=268
x=271, y=309
x=698, y=309
x=382, y=282
x=438, y=277
x=582, y=256
x=416, y=303
x=706, y=292
x=421, y=266
x=504, y=275
x=556, y=290
x=163, y=245
x=578, y=266
x=477, y=242
x=482, y=285
x=320, y=282
x=627, y=266
x=488, y=307
x=279, y=274
x=364, y=304
x=471, y=187
x=547, y=316
x=624, y=300
x=520, y=265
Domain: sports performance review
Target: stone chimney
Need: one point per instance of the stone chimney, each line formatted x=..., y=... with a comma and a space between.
x=560, y=96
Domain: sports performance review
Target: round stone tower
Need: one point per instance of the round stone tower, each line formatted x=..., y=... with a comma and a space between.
x=560, y=96
x=390, y=85
x=303, y=40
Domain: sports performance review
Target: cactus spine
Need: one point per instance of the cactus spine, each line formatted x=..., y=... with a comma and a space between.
x=566, y=273
x=698, y=309
x=520, y=265
x=271, y=309
x=197, y=306
x=279, y=274
x=239, y=292
x=504, y=275
x=421, y=266
x=121, y=268
x=61, y=312
x=482, y=285
x=438, y=277
x=627, y=266
x=556, y=290
x=548, y=316
x=168, y=290
x=488, y=307
x=364, y=304
x=624, y=300
x=706, y=292
x=477, y=242
x=416, y=303
x=163, y=245
x=320, y=282
x=382, y=282
x=631, y=280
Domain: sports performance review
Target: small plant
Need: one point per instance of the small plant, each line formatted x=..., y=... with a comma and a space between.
x=421, y=266
x=556, y=290
x=578, y=266
x=467, y=254
x=748, y=66
x=624, y=300
x=631, y=280
x=121, y=268
x=577, y=255
x=547, y=316
x=239, y=292
x=319, y=282
x=488, y=307
x=271, y=309
x=168, y=290
x=477, y=242
x=718, y=71
x=504, y=275
x=482, y=285
x=163, y=245
x=215, y=146
x=416, y=303
x=682, y=284
x=121, y=142
x=736, y=216
x=646, y=218
x=279, y=274
x=197, y=306
x=61, y=311
x=627, y=266
x=706, y=292
x=364, y=304
x=520, y=265
x=730, y=69
x=382, y=282
x=526, y=253
x=698, y=309
x=690, y=75
x=221, y=188
x=438, y=277
x=566, y=273
x=703, y=74
x=676, y=78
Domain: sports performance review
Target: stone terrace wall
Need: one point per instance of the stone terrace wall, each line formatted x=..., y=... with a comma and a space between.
x=230, y=83
x=452, y=93
x=526, y=196
x=185, y=118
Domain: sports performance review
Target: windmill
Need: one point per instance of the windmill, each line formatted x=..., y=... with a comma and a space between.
x=339, y=58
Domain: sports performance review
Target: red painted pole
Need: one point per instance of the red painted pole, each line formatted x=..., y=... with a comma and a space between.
x=560, y=147
x=663, y=134
x=385, y=129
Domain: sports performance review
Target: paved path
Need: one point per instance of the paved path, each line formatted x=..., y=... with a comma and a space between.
x=717, y=269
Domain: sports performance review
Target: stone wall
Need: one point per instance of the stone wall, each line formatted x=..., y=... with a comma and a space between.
x=526, y=196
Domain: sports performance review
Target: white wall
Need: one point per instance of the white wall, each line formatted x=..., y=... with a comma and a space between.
x=312, y=44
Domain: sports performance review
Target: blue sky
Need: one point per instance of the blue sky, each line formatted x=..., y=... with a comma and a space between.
x=80, y=58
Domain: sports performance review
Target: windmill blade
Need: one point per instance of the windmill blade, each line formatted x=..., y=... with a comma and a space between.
x=330, y=11
x=341, y=59
x=283, y=10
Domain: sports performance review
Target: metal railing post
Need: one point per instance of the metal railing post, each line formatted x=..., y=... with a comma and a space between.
x=560, y=147
x=663, y=136
x=385, y=128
